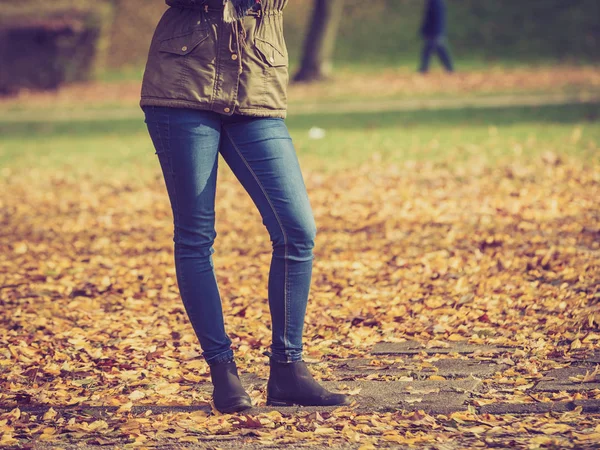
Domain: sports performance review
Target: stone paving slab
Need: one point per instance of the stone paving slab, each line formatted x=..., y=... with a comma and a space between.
x=413, y=347
x=558, y=380
x=465, y=368
x=432, y=396
x=363, y=366
x=587, y=406
x=448, y=368
x=593, y=359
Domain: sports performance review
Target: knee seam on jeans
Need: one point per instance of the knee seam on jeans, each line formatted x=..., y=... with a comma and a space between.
x=285, y=237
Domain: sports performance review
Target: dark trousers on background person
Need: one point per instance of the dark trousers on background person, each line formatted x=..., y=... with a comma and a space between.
x=436, y=44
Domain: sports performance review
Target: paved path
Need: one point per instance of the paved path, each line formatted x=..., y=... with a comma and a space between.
x=396, y=386
x=134, y=112
x=383, y=385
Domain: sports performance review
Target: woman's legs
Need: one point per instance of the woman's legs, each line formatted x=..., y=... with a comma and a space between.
x=187, y=144
x=261, y=155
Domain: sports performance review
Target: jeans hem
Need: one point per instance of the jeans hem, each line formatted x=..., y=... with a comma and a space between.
x=225, y=357
x=286, y=358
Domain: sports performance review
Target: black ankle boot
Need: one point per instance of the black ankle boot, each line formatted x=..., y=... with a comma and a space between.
x=228, y=393
x=292, y=384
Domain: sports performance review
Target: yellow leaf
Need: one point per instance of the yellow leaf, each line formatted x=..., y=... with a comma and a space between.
x=592, y=337
x=198, y=416
x=475, y=430
x=455, y=337
x=126, y=407
x=52, y=369
x=520, y=381
x=436, y=378
x=463, y=416
x=300, y=434
x=7, y=439
x=554, y=428
x=47, y=437
x=323, y=430
x=398, y=439
x=98, y=425
x=136, y=395
x=591, y=437
x=575, y=344
x=591, y=377
x=20, y=248
x=274, y=415
x=167, y=389
x=50, y=414
x=540, y=440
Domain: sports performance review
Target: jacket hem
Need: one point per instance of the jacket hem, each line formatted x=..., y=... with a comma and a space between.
x=255, y=112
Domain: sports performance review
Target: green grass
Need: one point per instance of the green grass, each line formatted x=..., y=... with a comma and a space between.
x=451, y=136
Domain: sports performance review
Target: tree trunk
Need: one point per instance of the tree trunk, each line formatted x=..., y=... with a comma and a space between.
x=320, y=41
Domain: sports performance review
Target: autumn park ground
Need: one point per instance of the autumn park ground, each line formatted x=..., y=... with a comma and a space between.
x=456, y=288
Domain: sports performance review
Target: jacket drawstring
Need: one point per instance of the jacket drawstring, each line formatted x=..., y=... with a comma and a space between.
x=240, y=42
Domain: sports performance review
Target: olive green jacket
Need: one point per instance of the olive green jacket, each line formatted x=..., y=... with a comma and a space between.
x=197, y=60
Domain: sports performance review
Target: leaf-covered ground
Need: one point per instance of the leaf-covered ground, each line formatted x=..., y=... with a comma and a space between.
x=506, y=255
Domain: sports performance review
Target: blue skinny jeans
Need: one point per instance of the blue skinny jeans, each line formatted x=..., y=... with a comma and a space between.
x=260, y=153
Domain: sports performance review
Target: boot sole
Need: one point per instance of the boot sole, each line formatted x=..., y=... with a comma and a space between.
x=235, y=408
x=274, y=402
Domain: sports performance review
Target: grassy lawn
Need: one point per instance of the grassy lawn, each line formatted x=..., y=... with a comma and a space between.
x=455, y=136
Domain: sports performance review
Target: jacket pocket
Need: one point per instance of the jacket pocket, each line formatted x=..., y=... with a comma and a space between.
x=270, y=53
x=181, y=67
x=184, y=43
x=269, y=40
x=272, y=58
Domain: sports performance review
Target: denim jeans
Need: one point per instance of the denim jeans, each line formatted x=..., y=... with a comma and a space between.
x=436, y=44
x=260, y=153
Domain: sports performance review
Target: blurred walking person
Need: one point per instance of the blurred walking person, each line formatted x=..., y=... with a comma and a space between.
x=433, y=31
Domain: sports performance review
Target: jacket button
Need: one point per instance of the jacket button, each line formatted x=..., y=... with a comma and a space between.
x=234, y=56
x=227, y=110
x=184, y=48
